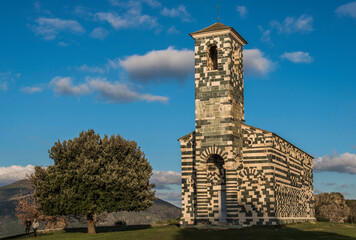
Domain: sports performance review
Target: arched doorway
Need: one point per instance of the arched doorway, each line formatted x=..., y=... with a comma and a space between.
x=217, y=187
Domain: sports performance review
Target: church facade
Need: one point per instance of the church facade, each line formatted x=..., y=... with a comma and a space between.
x=234, y=173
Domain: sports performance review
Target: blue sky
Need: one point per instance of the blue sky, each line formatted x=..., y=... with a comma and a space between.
x=126, y=67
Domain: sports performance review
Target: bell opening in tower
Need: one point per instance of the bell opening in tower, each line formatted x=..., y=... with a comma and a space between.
x=213, y=58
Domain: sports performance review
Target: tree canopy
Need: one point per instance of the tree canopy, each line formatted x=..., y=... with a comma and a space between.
x=92, y=175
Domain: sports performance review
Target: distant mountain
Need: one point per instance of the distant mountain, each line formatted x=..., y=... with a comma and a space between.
x=9, y=224
x=14, y=190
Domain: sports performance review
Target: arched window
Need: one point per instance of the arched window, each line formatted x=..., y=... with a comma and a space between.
x=213, y=58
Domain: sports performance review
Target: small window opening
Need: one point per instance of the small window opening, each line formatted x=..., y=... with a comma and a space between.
x=213, y=58
x=236, y=61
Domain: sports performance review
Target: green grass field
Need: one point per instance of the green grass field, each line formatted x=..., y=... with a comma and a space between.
x=302, y=231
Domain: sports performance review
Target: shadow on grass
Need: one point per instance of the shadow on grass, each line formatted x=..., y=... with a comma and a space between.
x=110, y=228
x=259, y=233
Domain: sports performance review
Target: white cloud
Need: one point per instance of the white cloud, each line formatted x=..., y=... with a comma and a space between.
x=172, y=30
x=99, y=33
x=120, y=93
x=136, y=3
x=297, y=57
x=179, y=12
x=113, y=19
x=242, y=11
x=112, y=92
x=3, y=86
x=266, y=35
x=83, y=12
x=37, y=5
x=329, y=184
x=14, y=173
x=31, y=90
x=163, y=65
x=49, y=28
x=152, y=3
x=91, y=69
x=163, y=179
x=64, y=86
x=132, y=18
x=344, y=163
x=317, y=191
x=6, y=78
x=160, y=65
x=63, y=44
x=292, y=25
x=348, y=9
x=114, y=2
x=113, y=63
x=39, y=9
x=255, y=63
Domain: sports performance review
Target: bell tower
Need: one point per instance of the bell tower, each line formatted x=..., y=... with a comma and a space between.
x=219, y=113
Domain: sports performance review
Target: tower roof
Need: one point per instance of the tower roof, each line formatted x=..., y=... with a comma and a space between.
x=217, y=27
x=214, y=27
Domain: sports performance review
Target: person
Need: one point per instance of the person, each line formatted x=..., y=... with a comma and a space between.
x=35, y=225
x=28, y=226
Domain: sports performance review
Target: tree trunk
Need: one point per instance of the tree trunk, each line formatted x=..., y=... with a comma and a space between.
x=91, y=223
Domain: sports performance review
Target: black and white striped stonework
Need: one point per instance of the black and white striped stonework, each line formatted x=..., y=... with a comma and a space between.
x=233, y=173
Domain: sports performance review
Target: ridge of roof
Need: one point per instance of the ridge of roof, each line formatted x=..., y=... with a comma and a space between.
x=213, y=27
x=216, y=27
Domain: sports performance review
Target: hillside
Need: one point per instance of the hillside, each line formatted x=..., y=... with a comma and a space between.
x=9, y=224
x=14, y=190
x=352, y=206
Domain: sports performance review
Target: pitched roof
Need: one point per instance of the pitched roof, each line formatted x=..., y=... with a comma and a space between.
x=186, y=136
x=216, y=27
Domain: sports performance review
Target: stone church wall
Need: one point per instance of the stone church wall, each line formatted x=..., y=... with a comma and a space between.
x=287, y=173
x=273, y=183
x=293, y=181
x=188, y=179
x=256, y=184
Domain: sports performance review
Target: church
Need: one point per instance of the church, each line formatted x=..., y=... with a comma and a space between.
x=234, y=173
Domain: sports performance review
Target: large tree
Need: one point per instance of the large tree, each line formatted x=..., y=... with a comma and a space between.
x=92, y=175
